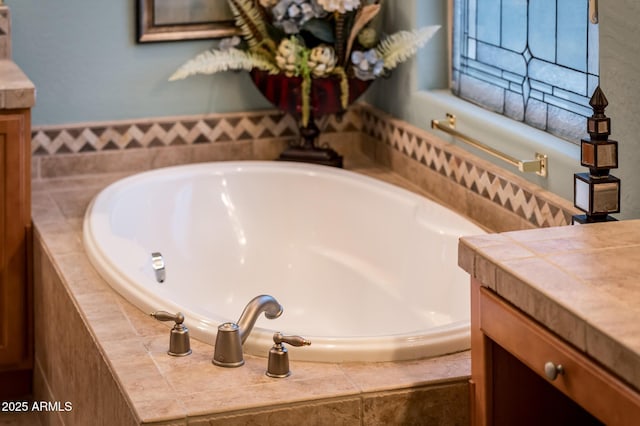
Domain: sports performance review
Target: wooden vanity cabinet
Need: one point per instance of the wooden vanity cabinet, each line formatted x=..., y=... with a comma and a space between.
x=509, y=384
x=16, y=347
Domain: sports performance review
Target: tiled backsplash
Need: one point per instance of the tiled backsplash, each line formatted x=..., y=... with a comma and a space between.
x=175, y=131
x=506, y=190
x=413, y=153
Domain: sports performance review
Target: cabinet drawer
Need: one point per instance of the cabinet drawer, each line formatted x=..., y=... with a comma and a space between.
x=582, y=379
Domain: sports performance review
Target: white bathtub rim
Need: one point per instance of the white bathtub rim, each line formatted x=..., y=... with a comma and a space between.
x=444, y=339
x=449, y=338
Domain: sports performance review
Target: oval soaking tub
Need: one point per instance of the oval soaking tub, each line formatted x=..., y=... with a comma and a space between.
x=365, y=270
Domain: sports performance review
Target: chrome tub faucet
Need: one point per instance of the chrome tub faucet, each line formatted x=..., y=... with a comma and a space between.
x=231, y=336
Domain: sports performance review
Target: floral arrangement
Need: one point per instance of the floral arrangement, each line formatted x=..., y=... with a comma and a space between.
x=309, y=39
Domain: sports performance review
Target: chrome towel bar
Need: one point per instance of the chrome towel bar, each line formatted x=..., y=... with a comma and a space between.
x=538, y=166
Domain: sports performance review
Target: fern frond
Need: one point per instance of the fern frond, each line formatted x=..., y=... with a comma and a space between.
x=250, y=20
x=213, y=61
x=402, y=45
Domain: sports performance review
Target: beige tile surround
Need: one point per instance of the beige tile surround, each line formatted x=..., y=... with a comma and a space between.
x=96, y=350
x=109, y=359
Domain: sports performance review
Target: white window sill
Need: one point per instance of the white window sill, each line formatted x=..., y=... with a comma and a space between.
x=509, y=136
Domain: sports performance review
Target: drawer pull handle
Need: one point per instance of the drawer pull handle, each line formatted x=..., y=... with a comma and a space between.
x=552, y=371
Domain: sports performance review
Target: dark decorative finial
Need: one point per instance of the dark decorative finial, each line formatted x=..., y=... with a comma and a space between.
x=597, y=193
x=598, y=125
x=598, y=102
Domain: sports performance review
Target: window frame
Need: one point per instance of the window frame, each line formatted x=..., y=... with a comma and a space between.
x=574, y=92
x=433, y=101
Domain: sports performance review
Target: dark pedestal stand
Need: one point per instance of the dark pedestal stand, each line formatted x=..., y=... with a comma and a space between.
x=307, y=151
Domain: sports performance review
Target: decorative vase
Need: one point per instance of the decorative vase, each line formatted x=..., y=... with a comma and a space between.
x=325, y=97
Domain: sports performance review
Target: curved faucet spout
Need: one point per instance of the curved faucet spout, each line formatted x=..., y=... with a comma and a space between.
x=263, y=303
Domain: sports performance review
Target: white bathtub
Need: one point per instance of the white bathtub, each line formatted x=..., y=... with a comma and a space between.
x=365, y=270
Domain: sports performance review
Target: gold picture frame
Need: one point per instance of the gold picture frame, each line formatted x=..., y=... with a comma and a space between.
x=175, y=20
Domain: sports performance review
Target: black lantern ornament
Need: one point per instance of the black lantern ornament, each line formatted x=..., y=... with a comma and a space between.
x=597, y=193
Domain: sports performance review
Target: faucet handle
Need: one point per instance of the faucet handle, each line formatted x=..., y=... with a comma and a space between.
x=278, y=365
x=166, y=316
x=179, y=344
x=279, y=338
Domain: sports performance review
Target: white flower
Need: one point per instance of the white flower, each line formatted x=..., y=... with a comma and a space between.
x=322, y=60
x=341, y=6
x=289, y=56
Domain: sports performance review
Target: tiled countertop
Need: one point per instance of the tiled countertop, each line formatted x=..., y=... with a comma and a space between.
x=582, y=282
x=16, y=90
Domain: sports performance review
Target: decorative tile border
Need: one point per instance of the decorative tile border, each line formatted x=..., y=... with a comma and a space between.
x=173, y=131
x=505, y=189
x=512, y=194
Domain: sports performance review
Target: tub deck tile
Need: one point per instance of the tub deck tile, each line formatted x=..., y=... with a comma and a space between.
x=162, y=389
x=385, y=376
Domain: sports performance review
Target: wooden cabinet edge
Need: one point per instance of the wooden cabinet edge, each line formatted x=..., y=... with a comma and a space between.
x=17, y=361
x=494, y=318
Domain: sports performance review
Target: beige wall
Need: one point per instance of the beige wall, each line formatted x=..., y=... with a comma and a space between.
x=619, y=75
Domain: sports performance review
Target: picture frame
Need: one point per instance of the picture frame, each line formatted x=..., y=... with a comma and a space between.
x=177, y=20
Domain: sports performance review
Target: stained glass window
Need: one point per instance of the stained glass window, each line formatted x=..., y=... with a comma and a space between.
x=535, y=61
